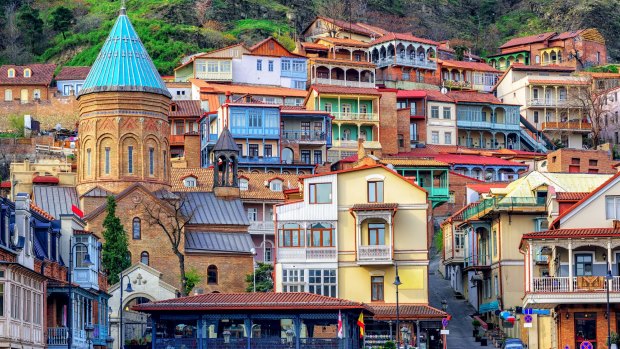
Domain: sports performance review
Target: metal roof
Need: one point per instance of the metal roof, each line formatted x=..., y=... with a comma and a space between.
x=218, y=242
x=55, y=200
x=123, y=64
x=206, y=208
x=226, y=142
x=97, y=192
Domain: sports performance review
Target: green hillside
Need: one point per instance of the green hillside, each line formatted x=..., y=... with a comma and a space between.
x=71, y=32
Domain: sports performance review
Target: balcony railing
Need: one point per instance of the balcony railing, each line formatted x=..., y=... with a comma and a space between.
x=457, y=84
x=508, y=203
x=570, y=125
x=303, y=254
x=553, y=284
x=547, y=102
x=500, y=126
x=262, y=226
x=479, y=260
x=304, y=135
x=347, y=116
x=406, y=61
x=60, y=335
x=215, y=76
x=374, y=253
x=176, y=139
x=260, y=159
x=347, y=83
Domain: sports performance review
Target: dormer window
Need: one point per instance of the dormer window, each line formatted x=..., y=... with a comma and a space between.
x=27, y=72
x=190, y=182
x=11, y=73
x=243, y=184
x=173, y=107
x=275, y=185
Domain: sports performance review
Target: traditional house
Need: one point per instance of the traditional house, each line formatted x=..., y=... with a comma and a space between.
x=184, y=117
x=578, y=49
x=70, y=80
x=28, y=83
x=215, y=66
x=465, y=75
x=334, y=237
x=492, y=229
x=405, y=61
x=323, y=27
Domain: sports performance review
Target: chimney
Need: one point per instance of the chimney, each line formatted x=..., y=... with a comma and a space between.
x=361, y=152
x=21, y=241
x=191, y=149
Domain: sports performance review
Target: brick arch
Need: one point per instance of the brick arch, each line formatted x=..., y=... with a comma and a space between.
x=127, y=140
x=105, y=141
x=89, y=142
x=148, y=143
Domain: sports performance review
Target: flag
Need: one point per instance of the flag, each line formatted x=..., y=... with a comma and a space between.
x=360, y=323
x=77, y=211
x=340, y=329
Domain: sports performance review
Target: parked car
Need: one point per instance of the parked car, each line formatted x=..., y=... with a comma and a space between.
x=513, y=343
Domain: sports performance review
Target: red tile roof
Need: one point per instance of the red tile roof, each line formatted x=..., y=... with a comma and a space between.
x=186, y=109
x=486, y=187
x=251, y=301
x=572, y=233
x=345, y=90
x=552, y=67
x=474, y=180
x=406, y=311
x=437, y=96
x=524, y=40
x=474, y=97
x=41, y=212
x=42, y=74
x=475, y=66
x=568, y=35
x=475, y=160
x=404, y=37
x=314, y=46
x=349, y=159
x=375, y=207
x=73, y=73
x=411, y=94
x=570, y=196
x=45, y=180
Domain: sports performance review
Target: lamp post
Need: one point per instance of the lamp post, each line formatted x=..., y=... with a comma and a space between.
x=121, y=343
x=397, y=283
x=608, y=279
x=417, y=333
x=444, y=307
x=253, y=252
x=87, y=263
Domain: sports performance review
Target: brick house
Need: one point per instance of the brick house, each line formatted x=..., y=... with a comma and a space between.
x=580, y=161
x=26, y=83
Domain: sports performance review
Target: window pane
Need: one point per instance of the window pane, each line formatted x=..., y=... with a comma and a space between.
x=379, y=191
x=372, y=187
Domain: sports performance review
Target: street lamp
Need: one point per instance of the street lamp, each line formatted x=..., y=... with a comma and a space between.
x=397, y=283
x=85, y=262
x=253, y=252
x=89, y=329
x=608, y=279
x=121, y=343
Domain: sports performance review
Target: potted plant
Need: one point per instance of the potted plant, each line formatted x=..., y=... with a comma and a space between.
x=614, y=339
x=476, y=324
x=389, y=345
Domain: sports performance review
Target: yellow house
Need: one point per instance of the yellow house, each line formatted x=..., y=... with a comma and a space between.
x=493, y=267
x=347, y=238
x=580, y=249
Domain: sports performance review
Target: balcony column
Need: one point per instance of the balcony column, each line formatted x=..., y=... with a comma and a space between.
x=570, y=266
x=531, y=263
x=608, y=256
x=493, y=140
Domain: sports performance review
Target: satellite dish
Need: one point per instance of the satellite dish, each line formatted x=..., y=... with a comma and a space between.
x=444, y=90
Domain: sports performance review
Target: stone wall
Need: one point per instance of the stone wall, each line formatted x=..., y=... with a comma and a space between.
x=57, y=110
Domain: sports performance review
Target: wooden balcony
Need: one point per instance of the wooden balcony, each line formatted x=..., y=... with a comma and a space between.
x=347, y=83
x=215, y=76
x=349, y=116
x=307, y=254
x=582, y=126
x=176, y=139
x=547, y=102
x=563, y=290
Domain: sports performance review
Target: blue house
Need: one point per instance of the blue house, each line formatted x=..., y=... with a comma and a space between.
x=71, y=79
x=283, y=139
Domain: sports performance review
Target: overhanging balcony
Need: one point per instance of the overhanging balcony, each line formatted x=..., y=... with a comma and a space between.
x=405, y=61
x=521, y=204
x=215, y=76
x=305, y=136
x=348, y=116
x=307, y=254
x=547, y=102
x=374, y=254
x=478, y=261
x=484, y=125
x=262, y=227
x=549, y=291
x=577, y=126
x=347, y=83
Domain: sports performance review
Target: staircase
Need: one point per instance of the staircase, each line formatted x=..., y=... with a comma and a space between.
x=542, y=144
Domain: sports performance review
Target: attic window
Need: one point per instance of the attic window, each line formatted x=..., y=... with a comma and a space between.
x=275, y=185
x=173, y=107
x=189, y=182
x=11, y=73
x=243, y=184
x=27, y=72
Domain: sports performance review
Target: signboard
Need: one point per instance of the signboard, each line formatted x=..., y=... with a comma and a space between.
x=528, y=311
x=444, y=332
x=586, y=345
x=444, y=322
x=527, y=318
x=527, y=324
x=567, y=346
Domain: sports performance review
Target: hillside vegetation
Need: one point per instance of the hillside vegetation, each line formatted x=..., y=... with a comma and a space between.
x=71, y=32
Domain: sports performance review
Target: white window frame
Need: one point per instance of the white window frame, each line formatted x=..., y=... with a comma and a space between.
x=612, y=207
x=190, y=182
x=252, y=214
x=326, y=281
x=434, y=137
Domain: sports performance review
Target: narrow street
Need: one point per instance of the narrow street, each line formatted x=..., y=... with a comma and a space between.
x=460, y=327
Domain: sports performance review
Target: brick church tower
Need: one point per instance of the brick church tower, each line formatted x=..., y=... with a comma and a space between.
x=123, y=126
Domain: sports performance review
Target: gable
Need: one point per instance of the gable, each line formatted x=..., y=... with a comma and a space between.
x=396, y=188
x=590, y=212
x=271, y=47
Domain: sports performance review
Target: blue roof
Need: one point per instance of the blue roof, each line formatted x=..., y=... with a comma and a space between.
x=123, y=64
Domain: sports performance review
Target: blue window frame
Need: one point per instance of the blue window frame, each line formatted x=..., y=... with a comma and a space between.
x=259, y=65
x=270, y=65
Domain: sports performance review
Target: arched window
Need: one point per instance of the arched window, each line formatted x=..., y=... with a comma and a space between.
x=212, y=275
x=27, y=72
x=144, y=258
x=137, y=229
x=11, y=73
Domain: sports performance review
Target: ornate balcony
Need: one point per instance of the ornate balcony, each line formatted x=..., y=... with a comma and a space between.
x=348, y=116
x=215, y=76
x=477, y=261
x=347, y=83
x=307, y=254
x=405, y=61
x=304, y=136
x=563, y=290
x=374, y=254
x=261, y=227
x=547, y=102
x=583, y=126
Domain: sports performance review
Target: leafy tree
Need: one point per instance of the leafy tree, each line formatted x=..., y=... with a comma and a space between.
x=264, y=281
x=115, y=254
x=17, y=124
x=192, y=278
x=31, y=25
x=61, y=19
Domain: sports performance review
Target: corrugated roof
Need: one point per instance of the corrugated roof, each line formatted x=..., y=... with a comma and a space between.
x=123, y=64
x=206, y=208
x=218, y=242
x=73, y=73
x=566, y=81
x=55, y=200
x=474, y=97
x=406, y=311
x=97, y=192
x=475, y=160
x=420, y=162
x=186, y=109
x=41, y=74
x=572, y=182
x=251, y=301
x=551, y=67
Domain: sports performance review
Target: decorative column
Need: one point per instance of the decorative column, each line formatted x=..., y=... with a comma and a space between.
x=531, y=263
x=570, y=266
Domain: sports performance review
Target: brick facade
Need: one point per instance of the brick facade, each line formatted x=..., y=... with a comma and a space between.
x=566, y=327
x=388, y=122
x=581, y=161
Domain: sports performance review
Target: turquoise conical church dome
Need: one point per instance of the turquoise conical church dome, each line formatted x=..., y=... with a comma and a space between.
x=123, y=64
